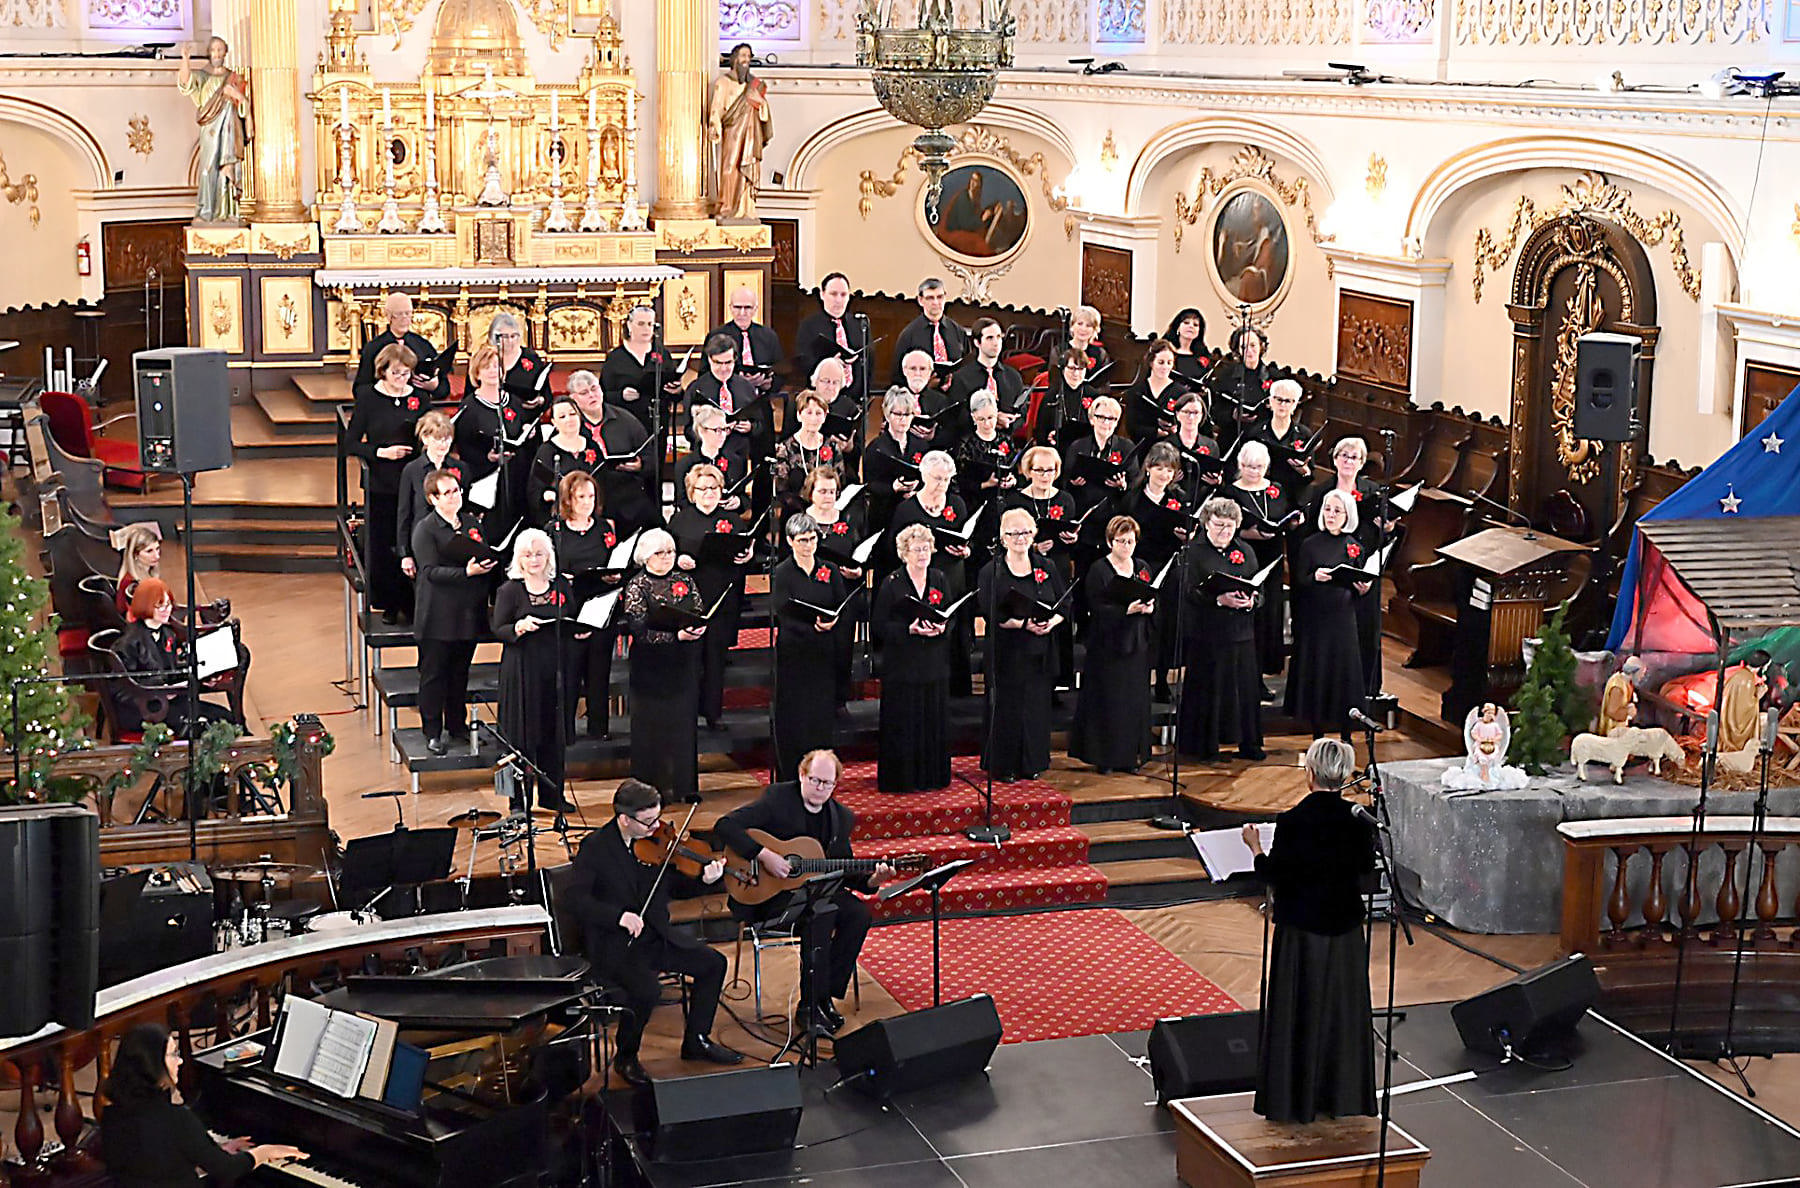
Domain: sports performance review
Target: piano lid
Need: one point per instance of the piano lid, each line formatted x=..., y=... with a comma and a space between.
x=453, y=1004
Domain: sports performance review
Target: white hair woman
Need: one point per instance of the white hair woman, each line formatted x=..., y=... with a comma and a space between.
x=1327, y=678
x=1317, y=1053
x=527, y=610
x=943, y=511
x=915, y=648
x=1282, y=428
x=1022, y=600
x=1271, y=512
x=665, y=667
x=1108, y=451
x=714, y=446
x=1221, y=699
x=1361, y=497
x=522, y=370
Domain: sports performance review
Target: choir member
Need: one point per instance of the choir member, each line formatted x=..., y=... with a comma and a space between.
x=623, y=906
x=747, y=418
x=1326, y=678
x=1063, y=412
x=150, y=1139
x=1316, y=1054
x=845, y=412
x=1163, y=515
x=831, y=332
x=381, y=434
x=714, y=447
x=527, y=610
x=436, y=432
x=1196, y=448
x=1270, y=502
x=808, y=448
x=938, y=508
x=1187, y=331
x=1112, y=713
x=628, y=483
x=665, y=670
x=758, y=348
x=524, y=372
x=806, y=650
x=1221, y=698
x=584, y=541
x=399, y=332
x=1151, y=401
x=1348, y=458
x=715, y=576
x=1242, y=379
x=490, y=435
x=891, y=459
x=985, y=372
x=914, y=739
x=1084, y=338
x=1282, y=427
x=1020, y=658
x=1103, y=443
x=566, y=450
x=151, y=644
x=841, y=529
x=637, y=377
x=450, y=614
x=139, y=545
x=986, y=457
x=935, y=407
x=1050, y=508
x=938, y=336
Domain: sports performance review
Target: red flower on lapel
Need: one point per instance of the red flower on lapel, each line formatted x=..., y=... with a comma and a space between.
x=1356, y=495
x=949, y=514
x=412, y=404
x=1274, y=492
x=1266, y=384
x=1203, y=451
x=1204, y=361
x=525, y=363
x=474, y=534
x=679, y=589
x=610, y=539
x=722, y=526
x=934, y=596
x=840, y=528
x=1055, y=511
x=589, y=456
x=1352, y=550
x=826, y=453
x=1115, y=457
x=1237, y=556
x=1143, y=575
x=509, y=414
x=1172, y=504
x=655, y=357
x=917, y=456
x=822, y=574
x=1039, y=576
x=1087, y=402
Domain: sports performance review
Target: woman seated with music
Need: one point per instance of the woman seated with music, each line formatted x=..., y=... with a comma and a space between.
x=153, y=645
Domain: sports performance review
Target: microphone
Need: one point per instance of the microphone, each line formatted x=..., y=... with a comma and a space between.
x=1362, y=813
x=507, y=760
x=1771, y=727
x=1365, y=721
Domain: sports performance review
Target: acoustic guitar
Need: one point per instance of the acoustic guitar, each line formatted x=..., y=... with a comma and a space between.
x=755, y=885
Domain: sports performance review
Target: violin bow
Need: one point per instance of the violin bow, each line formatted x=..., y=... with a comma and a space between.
x=663, y=870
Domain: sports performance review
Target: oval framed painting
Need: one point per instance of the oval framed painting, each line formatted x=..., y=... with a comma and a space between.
x=1249, y=251
x=984, y=217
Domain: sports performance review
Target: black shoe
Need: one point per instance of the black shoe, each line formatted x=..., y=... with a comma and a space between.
x=437, y=746
x=1258, y=753
x=630, y=1071
x=390, y=617
x=559, y=807
x=832, y=1015
x=702, y=1047
x=818, y=1023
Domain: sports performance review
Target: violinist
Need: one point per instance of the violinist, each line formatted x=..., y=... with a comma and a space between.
x=623, y=906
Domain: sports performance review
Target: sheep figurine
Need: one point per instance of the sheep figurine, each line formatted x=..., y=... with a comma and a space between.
x=1624, y=744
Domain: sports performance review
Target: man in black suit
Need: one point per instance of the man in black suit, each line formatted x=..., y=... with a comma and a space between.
x=986, y=373
x=624, y=912
x=758, y=348
x=931, y=331
x=399, y=309
x=805, y=808
x=830, y=330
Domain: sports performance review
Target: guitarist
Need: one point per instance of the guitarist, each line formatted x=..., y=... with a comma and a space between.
x=805, y=808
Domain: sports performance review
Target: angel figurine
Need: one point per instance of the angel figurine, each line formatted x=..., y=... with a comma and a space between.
x=1487, y=733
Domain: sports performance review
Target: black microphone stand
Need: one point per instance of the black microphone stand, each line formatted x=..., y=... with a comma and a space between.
x=1397, y=923
x=531, y=772
x=1758, y=817
x=657, y=401
x=1381, y=541
x=774, y=666
x=1709, y=757
x=1175, y=820
x=991, y=832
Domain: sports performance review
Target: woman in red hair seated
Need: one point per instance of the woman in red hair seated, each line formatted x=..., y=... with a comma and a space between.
x=153, y=651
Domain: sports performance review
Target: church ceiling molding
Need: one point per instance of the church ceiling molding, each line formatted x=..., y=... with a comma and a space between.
x=73, y=135
x=872, y=120
x=1193, y=134
x=1627, y=163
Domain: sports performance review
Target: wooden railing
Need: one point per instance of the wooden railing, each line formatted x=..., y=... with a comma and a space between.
x=216, y=998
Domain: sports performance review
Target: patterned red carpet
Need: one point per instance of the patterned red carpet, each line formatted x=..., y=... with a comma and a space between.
x=1052, y=974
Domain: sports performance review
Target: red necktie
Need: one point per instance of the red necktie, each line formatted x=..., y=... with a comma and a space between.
x=843, y=341
x=748, y=361
x=991, y=386
x=938, y=354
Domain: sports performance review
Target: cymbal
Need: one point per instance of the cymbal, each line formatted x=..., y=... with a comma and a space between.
x=475, y=818
x=257, y=872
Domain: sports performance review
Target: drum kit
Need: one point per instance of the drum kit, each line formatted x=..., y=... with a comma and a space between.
x=255, y=920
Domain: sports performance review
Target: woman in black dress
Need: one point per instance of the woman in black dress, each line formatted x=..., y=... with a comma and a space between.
x=841, y=530
x=915, y=670
x=527, y=610
x=1269, y=507
x=665, y=671
x=1112, y=712
x=1020, y=651
x=451, y=612
x=712, y=448
x=1103, y=443
x=1150, y=402
x=1242, y=379
x=437, y=438
x=1317, y=1051
x=566, y=450
x=1282, y=427
x=805, y=683
x=985, y=458
x=1348, y=458
x=1326, y=677
x=1187, y=332
x=806, y=449
x=1165, y=524
x=381, y=434
x=151, y=644
x=584, y=541
x=523, y=370
x=147, y=1140
x=1221, y=698
x=628, y=377
x=1202, y=469
x=891, y=459
x=493, y=435
x=943, y=511
x=716, y=575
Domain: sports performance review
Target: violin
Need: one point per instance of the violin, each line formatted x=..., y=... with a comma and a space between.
x=679, y=850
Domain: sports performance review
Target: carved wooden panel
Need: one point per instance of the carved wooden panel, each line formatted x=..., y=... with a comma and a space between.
x=784, y=237
x=1765, y=386
x=1106, y=281
x=130, y=251
x=1374, y=340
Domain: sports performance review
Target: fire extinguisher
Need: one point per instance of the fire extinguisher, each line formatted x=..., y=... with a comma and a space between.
x=84, y=257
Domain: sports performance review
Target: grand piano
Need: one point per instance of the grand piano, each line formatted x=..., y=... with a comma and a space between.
x=490, y=1029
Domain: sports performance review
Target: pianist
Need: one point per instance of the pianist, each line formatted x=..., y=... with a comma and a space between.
x=148, y=1140
x=624, y=912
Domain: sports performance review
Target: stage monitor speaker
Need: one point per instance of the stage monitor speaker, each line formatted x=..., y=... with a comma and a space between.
x=1606, y=369
x=1199, y=1055
x=747, y=1112
x=920, y=1048
x=183, y=409
x=1525, y=1013
x=49, y=917
x=165, y=918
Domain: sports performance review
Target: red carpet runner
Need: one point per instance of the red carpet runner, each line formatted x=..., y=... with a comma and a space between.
x=1052, y=975
x=1043, y=865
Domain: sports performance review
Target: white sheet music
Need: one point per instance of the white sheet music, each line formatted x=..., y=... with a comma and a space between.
x=867, y=547
x=216, y=652
x=620, y=557
x=1407, y=499
x=847, y=494
x=598, y=612
x=483, y=492
x=324, y=1047
x=1224, y=853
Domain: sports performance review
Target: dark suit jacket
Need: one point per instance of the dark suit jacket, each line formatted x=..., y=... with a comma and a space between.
x=418, y=344
x=780, y=811
x=1321, y=852
x=917, y=337
x=817, y=339
x=451, y=605
x=765, y=346
x=612, y=882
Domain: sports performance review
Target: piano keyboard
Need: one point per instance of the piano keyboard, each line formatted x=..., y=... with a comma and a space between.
x=305, y=1173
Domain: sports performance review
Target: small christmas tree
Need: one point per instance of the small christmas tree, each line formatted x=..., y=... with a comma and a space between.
x=1548, y=706
x=42, y=711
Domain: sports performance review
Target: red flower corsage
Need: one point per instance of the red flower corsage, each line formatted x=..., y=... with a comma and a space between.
x=1115, y=458
x=589, y=457
x=1266, y=384
x=1038, y=575
x=825, y=453
x=949, y=514
x=722, y=526
x=1236, y=556
x=1353, y=550
x=525, y=363
x=1274, y=492
x=1203, y=451
x=1003, y=449
x=474, y=534
x=510, y=415
x=557, y=598
x=1356, y=495
x=823, y=574
x=934, y=596
x=1055, y=511
x=917, y=456
x=840, y=528
x=610, y=539
x=724, y=463
x=679, y=589
x=412, y=404
x=655, y=356
x=1143, y=575
x=1173, y=504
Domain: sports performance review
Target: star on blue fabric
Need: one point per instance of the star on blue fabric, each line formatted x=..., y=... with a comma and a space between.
x=1772, y=444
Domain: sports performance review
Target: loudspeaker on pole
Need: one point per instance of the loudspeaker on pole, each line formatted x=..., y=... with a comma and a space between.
x=1606, y=370
x=183, y=409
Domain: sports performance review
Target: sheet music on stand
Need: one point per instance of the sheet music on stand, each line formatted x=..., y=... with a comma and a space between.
x=216, y=652
x=1223, y=852
x=327, y=1048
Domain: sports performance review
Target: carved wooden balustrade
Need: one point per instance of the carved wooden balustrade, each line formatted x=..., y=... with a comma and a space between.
x=1635, y=903
x=217, y=998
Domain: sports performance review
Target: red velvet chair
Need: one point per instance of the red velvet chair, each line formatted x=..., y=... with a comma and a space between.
x=73, y=428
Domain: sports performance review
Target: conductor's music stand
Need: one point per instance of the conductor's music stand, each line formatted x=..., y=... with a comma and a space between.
x=402, y=860
x=933, y=881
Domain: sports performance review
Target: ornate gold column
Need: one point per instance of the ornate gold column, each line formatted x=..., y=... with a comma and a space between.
x=275, y=101
x=687, y=36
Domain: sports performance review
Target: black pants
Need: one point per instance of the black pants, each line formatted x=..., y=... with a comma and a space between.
x=636, y=976
x=850, y=924
x=389, y=588
x=590, y=675
x=444, y=685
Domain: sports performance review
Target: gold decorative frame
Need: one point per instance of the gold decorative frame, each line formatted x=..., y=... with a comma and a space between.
x=981, y=140
x=219, y=313
x=974, y=263
x=1249, y=163
x=1260, y=188
x=287, y=315
x=686, y=298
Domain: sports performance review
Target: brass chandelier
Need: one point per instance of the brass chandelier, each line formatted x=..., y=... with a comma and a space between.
x=933, y=74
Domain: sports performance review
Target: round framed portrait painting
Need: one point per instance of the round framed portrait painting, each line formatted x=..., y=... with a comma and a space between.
x=1249, y=247
x=984, y=218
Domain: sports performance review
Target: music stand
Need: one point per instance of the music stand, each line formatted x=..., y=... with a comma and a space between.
x=810, y=915
x=402, y=859
x=933, y=881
